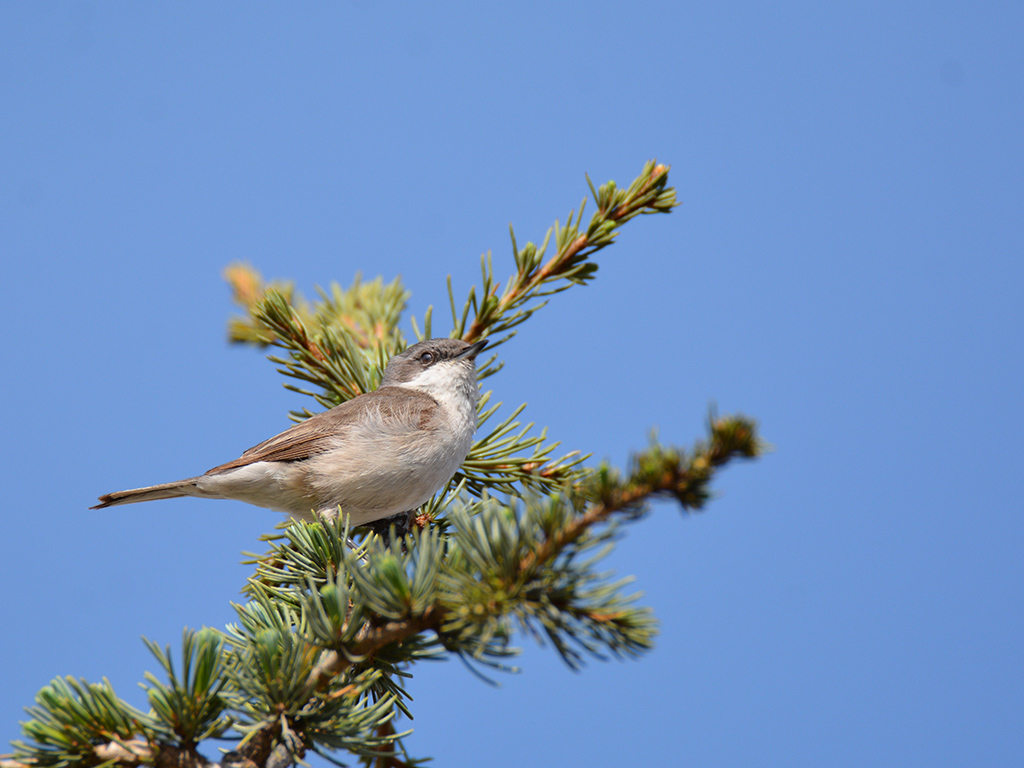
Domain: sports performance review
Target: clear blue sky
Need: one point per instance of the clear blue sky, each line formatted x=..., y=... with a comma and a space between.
x=846, y=267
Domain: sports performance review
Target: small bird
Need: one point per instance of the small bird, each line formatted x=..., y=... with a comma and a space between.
x=379, y=454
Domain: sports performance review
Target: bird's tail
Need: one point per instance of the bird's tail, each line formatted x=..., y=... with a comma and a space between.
x=151, y=493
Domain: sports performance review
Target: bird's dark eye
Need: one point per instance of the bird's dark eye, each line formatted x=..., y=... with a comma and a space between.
x=427, y=358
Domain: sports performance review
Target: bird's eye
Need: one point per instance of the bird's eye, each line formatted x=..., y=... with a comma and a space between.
x=427, y=358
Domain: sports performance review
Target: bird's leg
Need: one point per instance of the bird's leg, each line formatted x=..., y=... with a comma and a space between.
x=402, y=523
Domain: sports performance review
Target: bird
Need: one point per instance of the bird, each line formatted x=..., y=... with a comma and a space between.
x=377, y=455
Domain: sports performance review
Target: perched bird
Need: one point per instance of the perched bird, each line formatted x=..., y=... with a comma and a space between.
x=379, y=454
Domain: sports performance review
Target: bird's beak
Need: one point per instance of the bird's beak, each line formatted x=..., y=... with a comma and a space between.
x=472, y=351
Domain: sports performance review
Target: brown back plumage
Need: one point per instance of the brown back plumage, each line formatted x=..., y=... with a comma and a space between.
x=411, y=408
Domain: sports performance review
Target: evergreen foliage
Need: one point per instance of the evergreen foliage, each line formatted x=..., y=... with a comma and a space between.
x=330, y=629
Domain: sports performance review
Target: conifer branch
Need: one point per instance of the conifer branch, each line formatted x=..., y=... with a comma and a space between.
x=649, y=193
x=494, y=565
x=657, y=471
x=318, y=658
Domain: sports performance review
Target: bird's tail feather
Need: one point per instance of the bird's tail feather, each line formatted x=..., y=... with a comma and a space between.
x=151, y=493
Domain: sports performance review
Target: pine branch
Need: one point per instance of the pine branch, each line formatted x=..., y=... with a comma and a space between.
x=657, y=471
x=364, y=317
x=324, y=625
x=368, y=312
x=318, y=659
x=493, y=314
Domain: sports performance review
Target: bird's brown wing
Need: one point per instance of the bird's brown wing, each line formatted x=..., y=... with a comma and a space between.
x=404, y=407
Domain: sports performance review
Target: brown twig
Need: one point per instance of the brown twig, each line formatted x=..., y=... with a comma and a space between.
x=578, y=526
x=527, y=282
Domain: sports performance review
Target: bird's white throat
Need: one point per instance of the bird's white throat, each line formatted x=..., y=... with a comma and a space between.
x=454, y=386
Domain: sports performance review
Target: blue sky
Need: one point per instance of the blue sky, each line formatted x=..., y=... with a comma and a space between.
x=846, y=267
